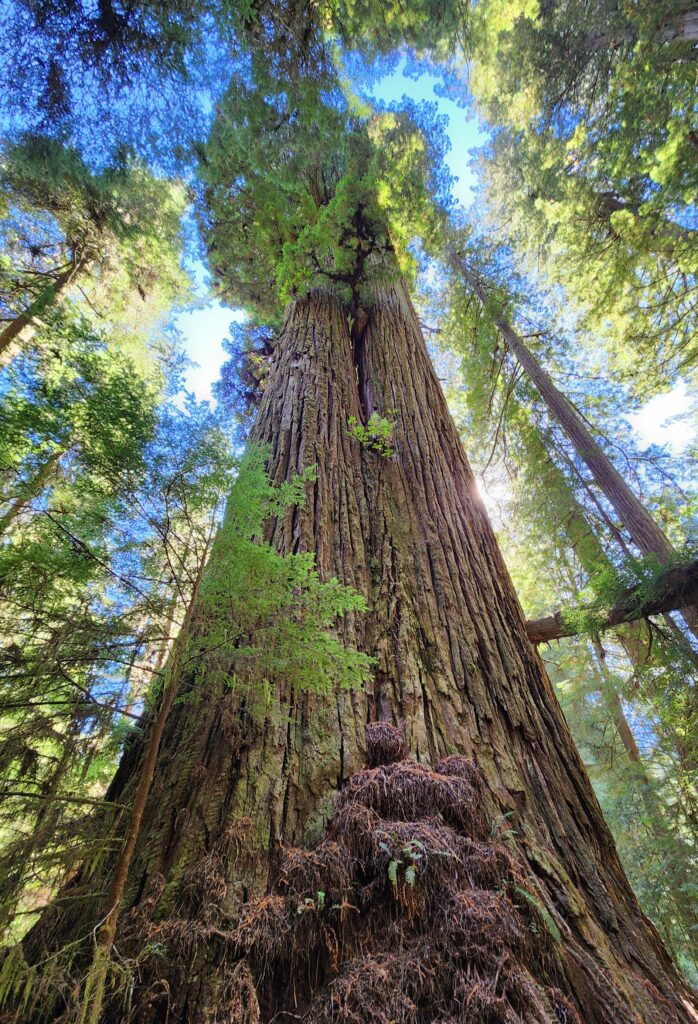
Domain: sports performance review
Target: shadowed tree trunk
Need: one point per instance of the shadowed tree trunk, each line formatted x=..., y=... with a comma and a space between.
x=683, y=28
x=660, y=820
x=454, y=669
x=30, y=489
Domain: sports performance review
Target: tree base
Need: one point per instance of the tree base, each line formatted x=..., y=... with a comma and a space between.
x=413, y=909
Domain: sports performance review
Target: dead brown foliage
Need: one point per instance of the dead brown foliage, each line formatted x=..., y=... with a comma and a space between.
x=409, y=911
x=408, y=791
x=264, y=925
x=385, y=744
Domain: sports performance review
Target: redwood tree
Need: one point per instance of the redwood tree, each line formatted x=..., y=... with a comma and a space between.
x=297, y=211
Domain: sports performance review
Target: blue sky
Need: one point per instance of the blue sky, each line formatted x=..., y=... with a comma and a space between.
x=665, y=420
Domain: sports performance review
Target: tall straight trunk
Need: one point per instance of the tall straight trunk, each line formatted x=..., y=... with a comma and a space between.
x=633, y=637
x=636, y=634
x=93, y=1000
x=453, y=667
x=660, y=823
x=47, y=297
x=31, y=488
x=646, y=535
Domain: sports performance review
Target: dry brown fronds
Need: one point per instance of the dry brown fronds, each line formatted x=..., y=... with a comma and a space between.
x=328, y=869
x=385, y=744
x=239, y=1003
x=265, y=926
x=373, y=990
x=409, y=911
x=477, y=919
x=407, y=791
x=204, y=888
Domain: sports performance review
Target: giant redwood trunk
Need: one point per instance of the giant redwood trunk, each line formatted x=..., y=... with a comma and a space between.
x=454, y=671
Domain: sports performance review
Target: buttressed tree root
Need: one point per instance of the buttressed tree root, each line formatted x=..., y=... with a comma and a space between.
x=414, y=908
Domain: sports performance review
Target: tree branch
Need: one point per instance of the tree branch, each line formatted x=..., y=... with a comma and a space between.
x=676, y=588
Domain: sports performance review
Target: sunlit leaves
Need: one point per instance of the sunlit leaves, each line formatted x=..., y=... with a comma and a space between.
x=592, y=170
x=119, y=230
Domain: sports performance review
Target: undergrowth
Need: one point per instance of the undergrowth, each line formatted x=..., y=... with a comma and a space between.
x=414, y=908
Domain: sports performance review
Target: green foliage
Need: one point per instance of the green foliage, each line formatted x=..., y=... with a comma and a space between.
x=92, y=555
x=109, y=502
x=649, y=803
x=564, y=548
x=608, y=584
x=81, y=391
x=376, y=435
x=269, y=616
x=592, y=172
x=118, y=231
x=305, y=41
x=306, y=190
x=408, y=857
x=111, y=74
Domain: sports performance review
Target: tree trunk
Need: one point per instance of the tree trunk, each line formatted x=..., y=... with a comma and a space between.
x=47, y=297
x=676, y=587
x=634, y=637
x=453, y=667
x=660, y=823
x=681, y=29
x=32, y=488
x=646, y=535
x=97, y=976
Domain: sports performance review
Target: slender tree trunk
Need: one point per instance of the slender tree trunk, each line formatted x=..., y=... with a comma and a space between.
x=47, y=297
x=615, y=707
x=93, y=1000
x=662, y=828
x=681, y=29
x=646, y=535
x=453, y=666
x=633, y=637
x=31, y=489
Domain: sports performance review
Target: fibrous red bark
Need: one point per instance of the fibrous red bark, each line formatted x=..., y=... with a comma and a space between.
x=454, y=668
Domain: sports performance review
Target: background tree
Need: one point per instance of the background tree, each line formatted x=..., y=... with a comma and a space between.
x=641, y=528
x=117, y=235
x=591, y=172
x=562, y=549
x=91, y=565
x=345, y=368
